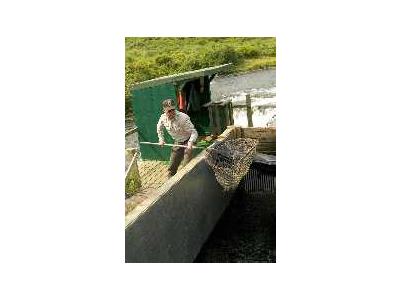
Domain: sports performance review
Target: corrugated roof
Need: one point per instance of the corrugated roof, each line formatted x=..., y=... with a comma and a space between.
x=181, y=76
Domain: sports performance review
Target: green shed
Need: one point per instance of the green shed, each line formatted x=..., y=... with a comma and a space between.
x=191, y=91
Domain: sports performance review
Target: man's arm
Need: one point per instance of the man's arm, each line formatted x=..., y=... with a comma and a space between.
x=190, y=128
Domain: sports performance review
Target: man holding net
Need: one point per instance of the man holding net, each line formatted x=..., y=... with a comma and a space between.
x=181, y=129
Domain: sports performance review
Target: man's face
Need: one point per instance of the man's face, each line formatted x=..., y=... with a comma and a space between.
x=170, y=112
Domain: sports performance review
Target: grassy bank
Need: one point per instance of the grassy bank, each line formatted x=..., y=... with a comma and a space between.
x=148, y=58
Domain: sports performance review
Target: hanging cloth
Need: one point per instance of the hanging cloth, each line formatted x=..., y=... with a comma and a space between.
x=181, y=101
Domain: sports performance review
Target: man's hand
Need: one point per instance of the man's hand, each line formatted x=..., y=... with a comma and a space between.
x=161, y=143
x=189, y=146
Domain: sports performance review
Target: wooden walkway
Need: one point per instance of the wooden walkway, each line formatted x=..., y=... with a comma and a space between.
x=153, y=175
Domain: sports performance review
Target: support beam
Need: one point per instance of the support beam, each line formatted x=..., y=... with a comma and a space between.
x=249, y=112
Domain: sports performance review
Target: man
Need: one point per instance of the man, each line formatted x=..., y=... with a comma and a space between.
x=181, y=129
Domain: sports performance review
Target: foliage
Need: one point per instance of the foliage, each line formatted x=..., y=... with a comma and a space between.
x=148, y=58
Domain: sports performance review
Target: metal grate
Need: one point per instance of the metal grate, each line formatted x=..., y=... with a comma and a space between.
x=260, y=178
x=246, y=231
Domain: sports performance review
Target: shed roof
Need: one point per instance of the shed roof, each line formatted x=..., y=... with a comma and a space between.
x=181, y=76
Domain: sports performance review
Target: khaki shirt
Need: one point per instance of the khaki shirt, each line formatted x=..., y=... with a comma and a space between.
x=180, y=128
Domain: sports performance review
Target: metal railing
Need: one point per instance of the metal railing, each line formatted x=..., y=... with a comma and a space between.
x=132, y=176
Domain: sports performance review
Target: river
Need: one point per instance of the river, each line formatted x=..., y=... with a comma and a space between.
x=260, y=85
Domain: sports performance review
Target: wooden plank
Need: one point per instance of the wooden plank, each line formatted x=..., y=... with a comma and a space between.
x=249, y=111
x=210, y=115
x=266, y=138
x=226, y=113
x=259, y=132
x=231, y=120
x=217, y=119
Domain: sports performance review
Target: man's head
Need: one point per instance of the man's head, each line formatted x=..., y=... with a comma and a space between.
x=169, y=108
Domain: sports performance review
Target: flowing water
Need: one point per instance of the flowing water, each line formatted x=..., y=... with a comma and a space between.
x=260, y=85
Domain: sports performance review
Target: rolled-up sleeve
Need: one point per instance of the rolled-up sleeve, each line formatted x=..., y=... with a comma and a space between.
x=160, y=127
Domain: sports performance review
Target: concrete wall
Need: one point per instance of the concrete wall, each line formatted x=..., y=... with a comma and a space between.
x=176, y=225
x=181, y=215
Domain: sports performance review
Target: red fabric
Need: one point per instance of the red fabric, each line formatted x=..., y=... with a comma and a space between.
x=181, y=101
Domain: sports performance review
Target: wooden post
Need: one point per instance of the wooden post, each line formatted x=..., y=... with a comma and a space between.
x=249, y=112
x=217, y=119
x=231, y=113
x=211, y=117
x=226, y=114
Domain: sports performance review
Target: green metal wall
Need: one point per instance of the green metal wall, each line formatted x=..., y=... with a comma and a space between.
x=146, y=103
x=147, y=109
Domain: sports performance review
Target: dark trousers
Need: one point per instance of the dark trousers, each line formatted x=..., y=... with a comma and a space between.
x=177, y=155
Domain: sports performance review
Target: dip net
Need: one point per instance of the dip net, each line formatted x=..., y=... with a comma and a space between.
x=230, y=160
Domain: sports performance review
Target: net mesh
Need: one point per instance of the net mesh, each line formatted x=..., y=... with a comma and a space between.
x=230, y=160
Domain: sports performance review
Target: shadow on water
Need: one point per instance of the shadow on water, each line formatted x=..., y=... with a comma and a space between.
x=246, y=231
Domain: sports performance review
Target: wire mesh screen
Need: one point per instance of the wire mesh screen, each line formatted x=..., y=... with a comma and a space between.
x=230, y=160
